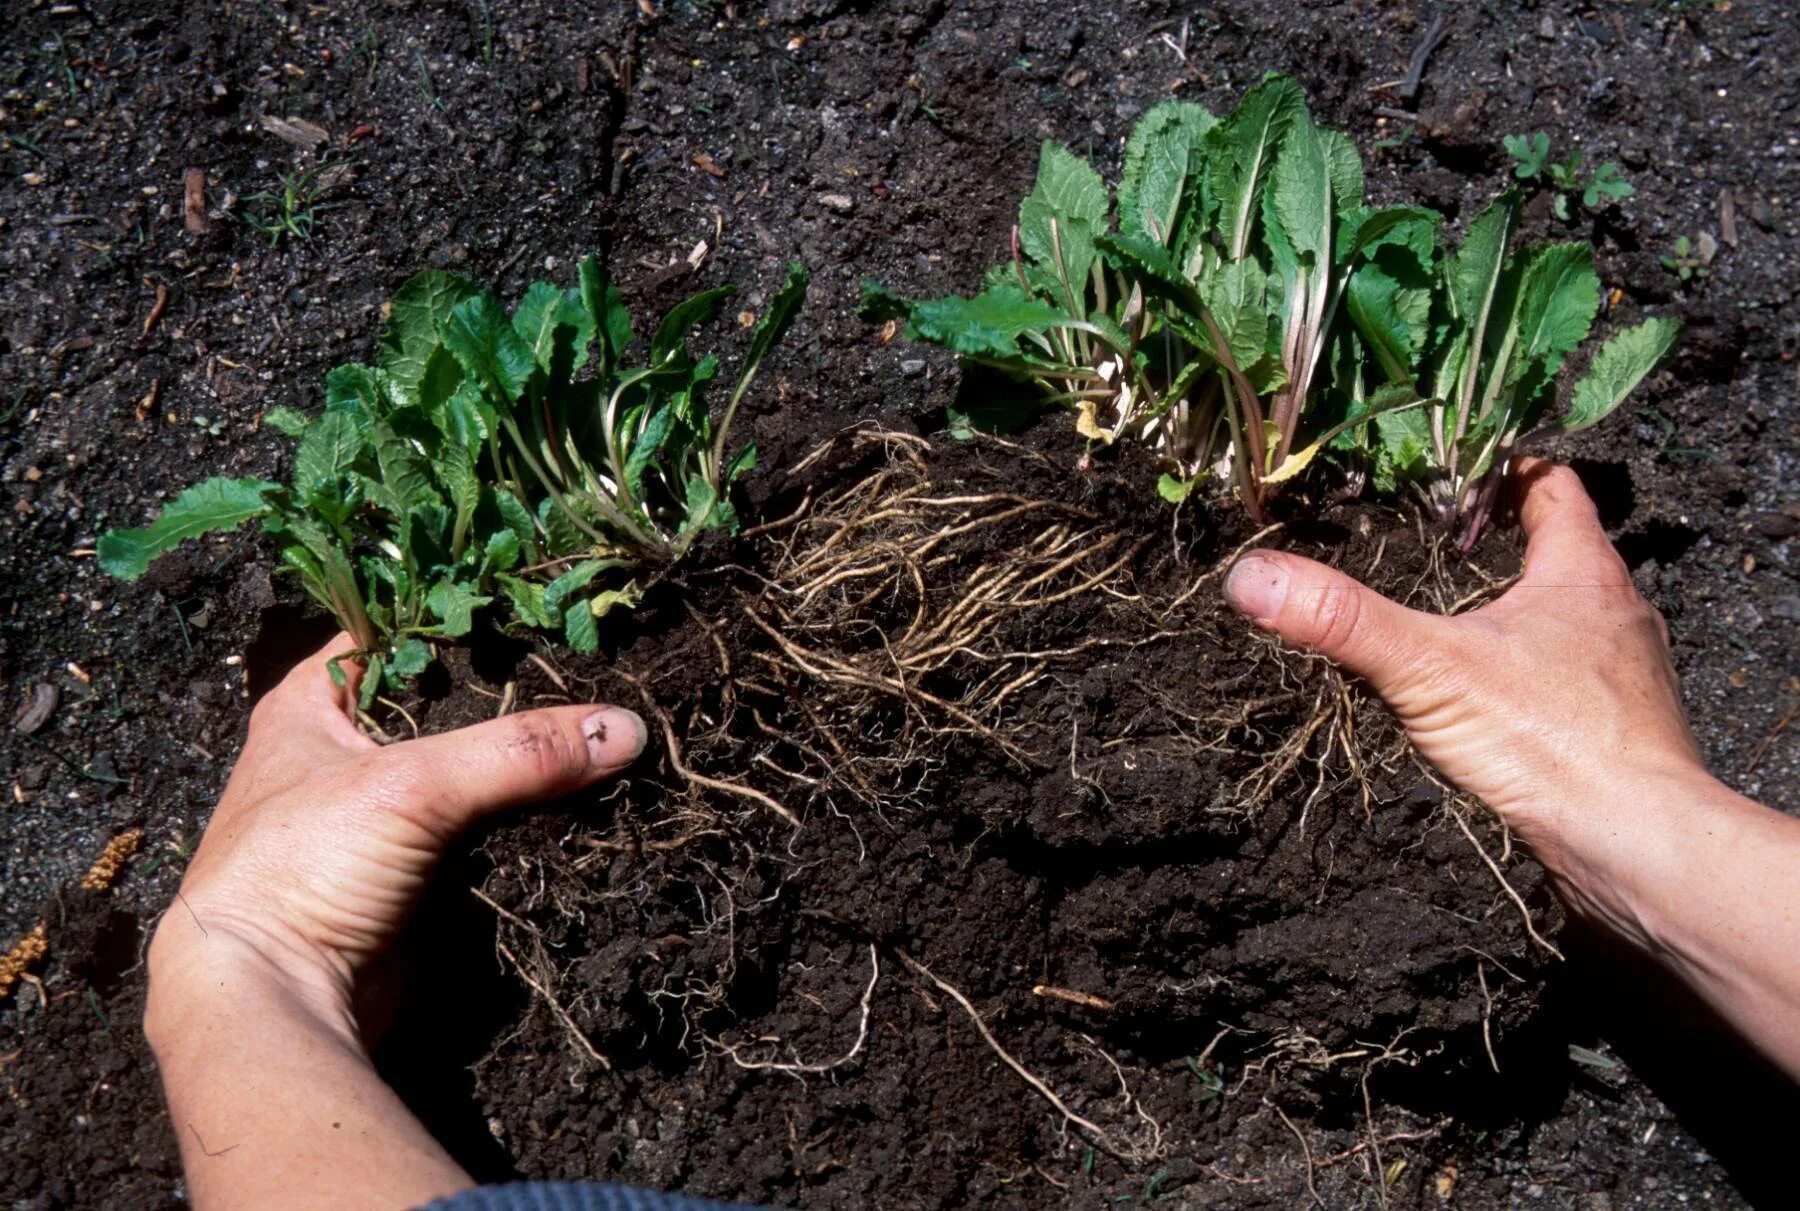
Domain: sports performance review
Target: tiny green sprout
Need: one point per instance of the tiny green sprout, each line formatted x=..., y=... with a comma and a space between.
x=1532, y=162
x=1688, y=259
x=1529, y=151
x=293, y=212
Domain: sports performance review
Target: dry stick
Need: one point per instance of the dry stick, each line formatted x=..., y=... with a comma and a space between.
x=862, y=1034
x=555, y=1007
x=1518, y=901
x=1305, y=1150
x=1095, y=1134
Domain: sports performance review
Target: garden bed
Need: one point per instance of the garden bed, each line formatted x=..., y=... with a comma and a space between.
x=1197, y=891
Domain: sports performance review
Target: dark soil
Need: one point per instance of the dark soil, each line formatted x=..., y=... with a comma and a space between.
x=1122, y=852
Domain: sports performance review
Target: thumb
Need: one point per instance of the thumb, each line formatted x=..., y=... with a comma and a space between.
x=1313, y=606
x=534, y=755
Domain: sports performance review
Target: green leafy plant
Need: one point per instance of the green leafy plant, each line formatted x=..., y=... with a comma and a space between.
x=522, y=458
x=1486, y=353
x=1594, y=189
x=1199, y=321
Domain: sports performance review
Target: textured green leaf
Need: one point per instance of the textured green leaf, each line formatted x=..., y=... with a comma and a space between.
x=1300, y=191
x=1163, y=169
x=1558, y=296
x=527, y=600
x=1473, y=270
x=989, y=324
x=482, y=339
x=1392, y=317
x=1061, y=216
x=1402, y=448
x=579, y=629
x=355, y=391
x=568, y=586
x=406, y=478
x=417, y=315
x=606, y=310
x=455, y=606
x=1235, y=297
x=648, y=445
x=285, y=420
x=537, y=318
x=1344, y=166
x=411, y=657
x=327, y=452
x=1620, y=365
x=209, y=506
x=1241, y=154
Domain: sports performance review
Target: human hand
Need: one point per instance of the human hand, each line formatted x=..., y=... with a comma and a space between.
x=1559, y=692
x=323, y=840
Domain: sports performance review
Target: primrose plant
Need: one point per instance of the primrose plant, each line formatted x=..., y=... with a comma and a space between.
x=1482, y=343
x=529, y=459
x=1201, y=322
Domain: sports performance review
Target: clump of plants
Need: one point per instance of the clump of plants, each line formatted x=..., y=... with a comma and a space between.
x=1238, y=306
x=1567, y=181
x=538, y=460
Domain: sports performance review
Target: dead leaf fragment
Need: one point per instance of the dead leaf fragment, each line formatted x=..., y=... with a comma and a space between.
x=297, y=132
x=37, y=709
x=708, y=165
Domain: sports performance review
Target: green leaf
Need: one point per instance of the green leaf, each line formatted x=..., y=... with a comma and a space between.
x=355, y=391
x=209, y=506
x=600, y=299
x=411, y=657
x=328, y=451
x=457, y=474
x=1060, y=217
x=567, y=587
x=501, y=552
x=648, y=445
x=405, y=474
x=1622, y=363
x=989, y=324
x=742, y=463
x=1392, y=317
x=684, y=317
x=527, y=599
x=537, y=318
x=484, y=342
x=1175, y=490
x=579, y=629
x=1343, y=164
x=285, y=420
x=1299, y=194
x=777, y=317
x=1234, y=294
x=701, y=504
x=1402, y=448
x=1162, y=171
x=455, y=607
x=1242, y=150
x=1558, y=295
x=1473, y=270
x=417, y=315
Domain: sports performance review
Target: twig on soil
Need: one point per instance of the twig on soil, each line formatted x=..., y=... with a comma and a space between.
x=156, y=310
x=799, y=1069
x=1487, y=1015
x=1091, y=1131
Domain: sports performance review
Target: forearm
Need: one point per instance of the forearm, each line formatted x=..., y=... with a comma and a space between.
x=274, y=1099
x=1704, y=881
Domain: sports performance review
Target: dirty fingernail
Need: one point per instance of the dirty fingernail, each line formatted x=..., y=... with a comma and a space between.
x=615, y=736
x=1257, y=587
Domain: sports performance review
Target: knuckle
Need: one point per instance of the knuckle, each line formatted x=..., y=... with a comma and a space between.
x=1334, y=614
x=550, y=750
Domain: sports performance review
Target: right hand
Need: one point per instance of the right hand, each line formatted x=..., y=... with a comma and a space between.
x=1559, y=691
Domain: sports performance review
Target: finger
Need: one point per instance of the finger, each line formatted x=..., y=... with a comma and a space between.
x=1565, y=544
x=1313, y=606
x=534, y=755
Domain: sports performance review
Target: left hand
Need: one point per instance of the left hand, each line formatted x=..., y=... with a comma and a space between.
x=324, y=840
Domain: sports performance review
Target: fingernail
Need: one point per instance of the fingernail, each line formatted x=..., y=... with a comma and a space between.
x=615, y=736
x=1257, y=587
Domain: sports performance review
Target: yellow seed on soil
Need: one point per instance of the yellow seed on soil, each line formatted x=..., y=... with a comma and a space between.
x=105, y=870
x=28, y=950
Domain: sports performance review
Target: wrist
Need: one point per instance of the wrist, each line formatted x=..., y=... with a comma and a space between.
x=216, y=974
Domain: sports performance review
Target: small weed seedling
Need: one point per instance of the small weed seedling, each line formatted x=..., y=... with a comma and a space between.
x=489, y=457
x=1688, y=259
x=1565, y=177
x=293, y=212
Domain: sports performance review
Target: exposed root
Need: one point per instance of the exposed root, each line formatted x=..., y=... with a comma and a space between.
x=1091, y=1131
x=562, y=1015
x=719, y=785
x=1500, y=877
x=798, y=1068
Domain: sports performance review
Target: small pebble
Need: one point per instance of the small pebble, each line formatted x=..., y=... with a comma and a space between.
x=912, y=367
x=836, y=201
